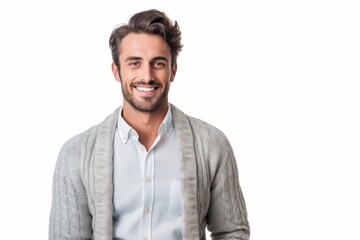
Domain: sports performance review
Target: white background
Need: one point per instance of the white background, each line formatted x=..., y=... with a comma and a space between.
x=279, y=78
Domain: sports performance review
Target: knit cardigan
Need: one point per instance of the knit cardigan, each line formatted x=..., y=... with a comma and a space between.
x=83, y=183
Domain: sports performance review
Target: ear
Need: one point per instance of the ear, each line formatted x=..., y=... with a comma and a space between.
x=173, y=72
x=115, y=71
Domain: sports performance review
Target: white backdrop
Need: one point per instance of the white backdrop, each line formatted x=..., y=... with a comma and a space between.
x=279, y=78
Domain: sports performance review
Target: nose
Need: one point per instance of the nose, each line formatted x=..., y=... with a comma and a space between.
x=147, y=74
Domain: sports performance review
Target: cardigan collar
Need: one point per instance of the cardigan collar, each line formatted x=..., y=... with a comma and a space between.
x=103, y=176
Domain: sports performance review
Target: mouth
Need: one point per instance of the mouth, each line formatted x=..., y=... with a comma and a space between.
x=146, y=89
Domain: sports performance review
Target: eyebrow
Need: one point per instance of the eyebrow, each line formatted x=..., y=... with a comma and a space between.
x=160, y=58
x=131, y=58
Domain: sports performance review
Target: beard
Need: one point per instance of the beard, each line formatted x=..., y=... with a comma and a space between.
x=146, y=104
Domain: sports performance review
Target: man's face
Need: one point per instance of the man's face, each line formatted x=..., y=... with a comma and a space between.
x=145, y=71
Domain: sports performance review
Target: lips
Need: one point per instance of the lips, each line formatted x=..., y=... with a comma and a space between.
x=146, y=89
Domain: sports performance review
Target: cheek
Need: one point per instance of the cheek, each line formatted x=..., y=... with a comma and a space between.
x=166, y=76
x=128, y=76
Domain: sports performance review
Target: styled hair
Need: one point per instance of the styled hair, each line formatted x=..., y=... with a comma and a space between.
x=153, y=22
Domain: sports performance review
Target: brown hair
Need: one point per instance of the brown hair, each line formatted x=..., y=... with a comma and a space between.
x=153, y=22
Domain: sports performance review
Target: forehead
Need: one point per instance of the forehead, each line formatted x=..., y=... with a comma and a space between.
x=144, y=45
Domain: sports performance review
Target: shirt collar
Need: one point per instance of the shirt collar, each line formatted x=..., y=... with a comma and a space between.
x=167, y=124
x=125, y=130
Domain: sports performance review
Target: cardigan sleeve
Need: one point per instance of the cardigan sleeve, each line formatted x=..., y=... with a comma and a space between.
x=70, y=217
x=227, y=215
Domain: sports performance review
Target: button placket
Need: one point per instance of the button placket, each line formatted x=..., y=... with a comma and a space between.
x=148, y=192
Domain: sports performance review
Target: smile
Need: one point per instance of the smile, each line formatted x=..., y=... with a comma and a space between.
x=146, y=89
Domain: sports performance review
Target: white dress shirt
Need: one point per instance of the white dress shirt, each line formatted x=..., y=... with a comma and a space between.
x=147, y=193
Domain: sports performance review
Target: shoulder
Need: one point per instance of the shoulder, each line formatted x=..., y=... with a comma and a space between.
x=87, y=137
x=73, y=145
x=212, y=140
x=203, y=132
x=201, y=127
x=70, y=153
x=211, y=146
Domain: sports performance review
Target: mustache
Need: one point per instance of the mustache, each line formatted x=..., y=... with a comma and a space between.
x=147, y=83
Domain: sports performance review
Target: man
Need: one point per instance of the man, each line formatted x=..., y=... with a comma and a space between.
x=148, y=171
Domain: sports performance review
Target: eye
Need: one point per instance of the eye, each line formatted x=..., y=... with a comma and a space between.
x=134, y=64
x=159, y=64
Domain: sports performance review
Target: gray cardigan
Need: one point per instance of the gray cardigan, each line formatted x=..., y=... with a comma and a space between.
x=83, y=183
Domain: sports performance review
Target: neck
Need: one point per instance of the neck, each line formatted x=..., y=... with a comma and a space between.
x=146, y=124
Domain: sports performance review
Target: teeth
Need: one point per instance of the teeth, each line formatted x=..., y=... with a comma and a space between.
x=145, y=89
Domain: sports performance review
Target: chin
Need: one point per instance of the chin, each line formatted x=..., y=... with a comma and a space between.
x=145, y=107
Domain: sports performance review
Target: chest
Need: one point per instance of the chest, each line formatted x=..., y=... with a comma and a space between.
x=147, y=186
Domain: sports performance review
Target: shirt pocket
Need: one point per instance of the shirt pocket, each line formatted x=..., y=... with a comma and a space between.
x=175, y=203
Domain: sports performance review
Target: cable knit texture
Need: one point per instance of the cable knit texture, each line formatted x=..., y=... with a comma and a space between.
x=83, y=188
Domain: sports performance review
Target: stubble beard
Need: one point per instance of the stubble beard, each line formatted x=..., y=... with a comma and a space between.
x=149, y=104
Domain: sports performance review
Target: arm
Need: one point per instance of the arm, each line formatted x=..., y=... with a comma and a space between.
x=227, y=215
x=70, y=217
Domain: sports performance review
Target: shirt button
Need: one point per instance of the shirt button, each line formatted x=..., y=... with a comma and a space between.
x=149, y=180
x=142, y=148
x=147, y=210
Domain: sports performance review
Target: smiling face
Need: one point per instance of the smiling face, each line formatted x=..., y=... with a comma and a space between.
x=145, y=71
